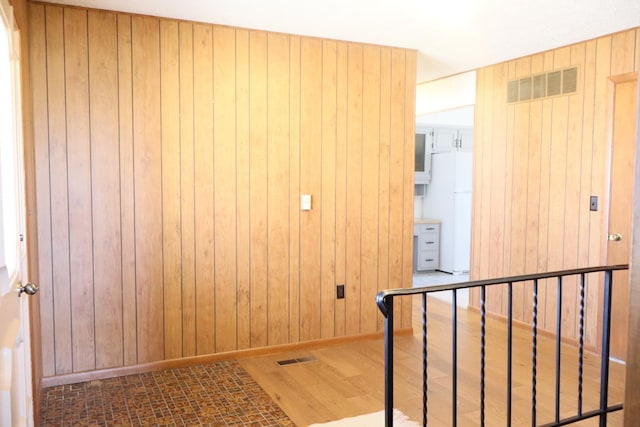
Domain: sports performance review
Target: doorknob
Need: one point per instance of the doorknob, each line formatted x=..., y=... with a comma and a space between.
x=616, y=237
x=29, y=289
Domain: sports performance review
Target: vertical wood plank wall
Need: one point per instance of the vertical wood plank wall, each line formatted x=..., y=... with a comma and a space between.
x=170, y=159
x=536, y=163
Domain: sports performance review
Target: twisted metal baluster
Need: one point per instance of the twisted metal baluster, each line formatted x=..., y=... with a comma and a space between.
x=454, y=358
x=558, y=344
x=581, y=345
x=509, y=349
x=534, y=368
x=482, y=351
x=424, y=360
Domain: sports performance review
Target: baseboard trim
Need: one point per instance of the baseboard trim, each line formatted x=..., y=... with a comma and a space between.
x=100, y=374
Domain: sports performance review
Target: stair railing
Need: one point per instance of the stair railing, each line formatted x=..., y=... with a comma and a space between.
x=385, y=301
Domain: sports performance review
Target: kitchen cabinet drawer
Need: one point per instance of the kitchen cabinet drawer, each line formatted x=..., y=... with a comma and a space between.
x=429, y=242
x=427, y=228
x=426, y=245
x=428, y=260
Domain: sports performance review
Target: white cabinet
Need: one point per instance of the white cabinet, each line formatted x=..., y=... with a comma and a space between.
x=423, y=159
x=465, y=139
x=427, y=245
x=444, y=139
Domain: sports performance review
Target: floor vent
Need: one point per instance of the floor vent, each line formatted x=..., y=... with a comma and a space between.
x=288, y=362
x=553, y=83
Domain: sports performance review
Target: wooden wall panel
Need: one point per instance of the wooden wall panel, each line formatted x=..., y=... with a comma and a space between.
x=105, y=162
x=278, y=182
x=396, y=161
x=533, y=190
x=170, y=160
x=354, y=189
x=546, y=157
x=586, y=219
x=38, y=49
x=127, y=214
x=59, y=190
x=243, y=219
x=371, y=183
x=545, y=191
x=384, y=175
x=310, y=183
x=341, y=181
x=187, y=191
x=328, y=194
x=147, y=166
x=224, y=167
x=79, y=186
x=258, y=186
x=171, y=197
x=203, y=181
x=294, y=188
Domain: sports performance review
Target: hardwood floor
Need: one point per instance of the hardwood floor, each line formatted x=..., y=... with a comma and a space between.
x=348, y=379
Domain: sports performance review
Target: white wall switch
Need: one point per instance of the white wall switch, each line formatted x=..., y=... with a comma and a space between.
x=305, y=202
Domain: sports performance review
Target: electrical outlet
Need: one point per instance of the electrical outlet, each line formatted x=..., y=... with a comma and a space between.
x=340, y=291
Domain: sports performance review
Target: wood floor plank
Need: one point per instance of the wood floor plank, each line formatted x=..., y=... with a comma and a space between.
x=347, y=379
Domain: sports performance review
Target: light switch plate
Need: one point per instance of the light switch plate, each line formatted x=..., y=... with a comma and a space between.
x=305, y=202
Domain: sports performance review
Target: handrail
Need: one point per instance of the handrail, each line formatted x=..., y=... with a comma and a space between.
x=383, y=295
x=384, y=300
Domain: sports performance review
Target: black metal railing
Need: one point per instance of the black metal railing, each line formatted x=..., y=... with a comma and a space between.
x=385, y=301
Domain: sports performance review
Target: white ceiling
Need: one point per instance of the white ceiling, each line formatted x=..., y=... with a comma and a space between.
x=451, y=36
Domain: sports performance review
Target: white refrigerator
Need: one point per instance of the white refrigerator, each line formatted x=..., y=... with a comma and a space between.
x=448, y=199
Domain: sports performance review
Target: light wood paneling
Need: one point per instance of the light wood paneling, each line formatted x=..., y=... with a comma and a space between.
x=79, y=188
x=328, y=225
x=203, y=173
x=171, y=197
x=396, y=161
x=128, y=250
x=243, y=243
x=310, y=183
x=224, y=167
x=147, y=175
x=371, y=183
x=187, y=191
x=258, y=185
x=278, y=180
x=38, y=70
x=294, y=189
x=341, y=181
x=105, y=162
x=354, y=189
x=170, y=160
x=384, y=175
x=58, y=190
x=540, y=161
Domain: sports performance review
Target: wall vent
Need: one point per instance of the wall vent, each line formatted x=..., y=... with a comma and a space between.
x=560, y=82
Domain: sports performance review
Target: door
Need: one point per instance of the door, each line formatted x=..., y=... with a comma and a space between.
x=16, y=395
x=620, y=206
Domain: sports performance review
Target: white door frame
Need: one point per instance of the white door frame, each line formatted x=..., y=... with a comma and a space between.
x=16, y=386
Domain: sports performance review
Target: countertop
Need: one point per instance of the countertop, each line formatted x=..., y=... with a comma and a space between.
x=426, y=221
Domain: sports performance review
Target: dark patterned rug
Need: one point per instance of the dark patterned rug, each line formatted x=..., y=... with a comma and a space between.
x=216, y=394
